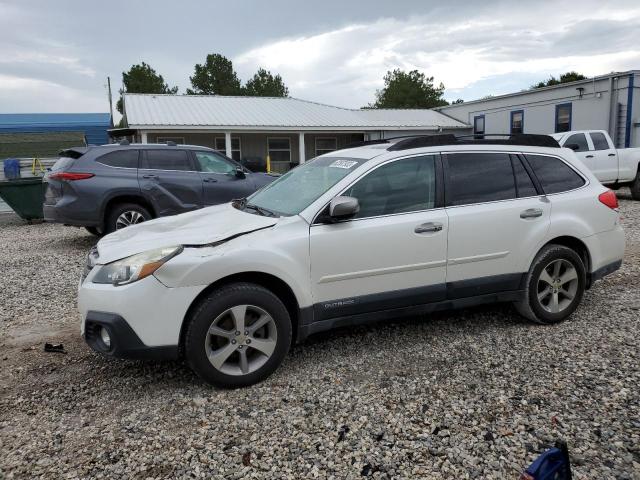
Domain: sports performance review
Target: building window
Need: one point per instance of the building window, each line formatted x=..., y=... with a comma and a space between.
x=478, y=125
x=326, y=145
x=563, y=117
x=517, y=121
x=177, y=140
x=236, y=150
x=279, y=149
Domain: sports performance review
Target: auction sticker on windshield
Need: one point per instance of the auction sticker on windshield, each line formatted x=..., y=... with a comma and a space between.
x=343, y=164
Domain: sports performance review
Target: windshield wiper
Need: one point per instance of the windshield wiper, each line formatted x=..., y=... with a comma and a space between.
x=265, y=212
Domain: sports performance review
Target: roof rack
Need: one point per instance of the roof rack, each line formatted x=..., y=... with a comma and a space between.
x=521, y=139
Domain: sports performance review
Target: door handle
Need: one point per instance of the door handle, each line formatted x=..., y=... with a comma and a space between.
x=611, y=155
x=531, y=213
x=588, y=156
x=209, y=180
x=150, y=176
x=428, y=227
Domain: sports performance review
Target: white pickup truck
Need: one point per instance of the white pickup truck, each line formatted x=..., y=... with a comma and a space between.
x=614, y=168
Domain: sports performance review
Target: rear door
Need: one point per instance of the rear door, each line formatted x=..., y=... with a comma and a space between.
x=496, y=218
x=605, y=157
x=220, y=184
x=169, y=179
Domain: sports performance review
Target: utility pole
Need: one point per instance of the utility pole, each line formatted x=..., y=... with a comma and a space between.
x=110, y=99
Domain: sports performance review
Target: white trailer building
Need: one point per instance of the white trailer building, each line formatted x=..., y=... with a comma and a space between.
x=608, y=102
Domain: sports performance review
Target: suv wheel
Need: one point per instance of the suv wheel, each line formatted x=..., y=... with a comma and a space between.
x=124, y=215
x=554, y=285
x=238, y=335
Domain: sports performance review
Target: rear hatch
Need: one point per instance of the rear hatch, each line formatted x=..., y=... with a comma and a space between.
x=55, y=188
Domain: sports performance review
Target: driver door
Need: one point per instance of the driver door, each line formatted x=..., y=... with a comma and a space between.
x=220, y=184
x=393, y=253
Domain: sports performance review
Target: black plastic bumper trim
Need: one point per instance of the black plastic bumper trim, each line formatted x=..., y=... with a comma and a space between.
x=124, y=341
x=606, y=270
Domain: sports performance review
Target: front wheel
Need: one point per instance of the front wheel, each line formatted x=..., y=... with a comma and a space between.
x=238, y=335
x=554, y=285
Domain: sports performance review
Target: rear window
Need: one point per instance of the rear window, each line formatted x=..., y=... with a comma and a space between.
x=480, y=177
x=120, y=159
x=554, y=175
x=166, y=160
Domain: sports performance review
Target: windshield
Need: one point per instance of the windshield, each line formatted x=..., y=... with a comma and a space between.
x=300, y=187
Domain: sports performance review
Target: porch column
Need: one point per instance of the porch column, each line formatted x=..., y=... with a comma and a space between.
x=143, y=137
x=301, y=151
x=227, y=144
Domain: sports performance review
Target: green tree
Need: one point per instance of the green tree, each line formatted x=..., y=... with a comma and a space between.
x=264, y=84
x=409, y=90
x=215, y=77
x=455, y=102
x=564, y=78
x=142, y=79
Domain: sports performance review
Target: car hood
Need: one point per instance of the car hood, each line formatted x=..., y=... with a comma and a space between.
x=208, y=225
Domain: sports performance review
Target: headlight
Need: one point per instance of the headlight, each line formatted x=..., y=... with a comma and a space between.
x=136, y=267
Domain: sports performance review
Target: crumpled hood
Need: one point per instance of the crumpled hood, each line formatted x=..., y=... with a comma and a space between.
x=199, y=227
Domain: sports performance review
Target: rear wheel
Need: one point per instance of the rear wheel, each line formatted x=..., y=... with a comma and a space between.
x=635, y=187
x=554, y=286
x=124, y=215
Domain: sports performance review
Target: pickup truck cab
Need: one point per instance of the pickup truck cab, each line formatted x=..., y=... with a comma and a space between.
x=613, y=167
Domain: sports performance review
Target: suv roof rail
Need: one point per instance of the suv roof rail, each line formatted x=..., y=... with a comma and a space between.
x=364, y=143
x=522, y=139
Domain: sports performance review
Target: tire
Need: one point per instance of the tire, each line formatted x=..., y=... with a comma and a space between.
x=122, y=213
x=94, y=231
x=548, y=302
x=635, y=187
x=218, y=313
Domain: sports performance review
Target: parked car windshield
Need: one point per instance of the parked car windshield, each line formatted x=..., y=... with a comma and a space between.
x=300, y=187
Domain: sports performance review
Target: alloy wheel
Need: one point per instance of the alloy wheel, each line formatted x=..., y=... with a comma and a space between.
x=241, y=340
x=557, y=285
x=128, y=218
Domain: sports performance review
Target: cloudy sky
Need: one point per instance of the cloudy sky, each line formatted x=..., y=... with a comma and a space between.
x=56, y=56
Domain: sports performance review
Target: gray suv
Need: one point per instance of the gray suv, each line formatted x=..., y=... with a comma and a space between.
x=105, y=188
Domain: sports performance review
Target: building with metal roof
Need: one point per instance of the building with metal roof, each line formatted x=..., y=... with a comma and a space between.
x=287, y=130
x=608, y=102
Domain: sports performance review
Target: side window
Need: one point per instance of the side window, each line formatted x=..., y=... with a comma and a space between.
x=212, y=163
x=578, y=139
x=599, y=141
x=162, y=159
x=524, y=184
x=407, y=185
x=120, y=158
x=554, y=175
x=480, y=177
x=517, y=121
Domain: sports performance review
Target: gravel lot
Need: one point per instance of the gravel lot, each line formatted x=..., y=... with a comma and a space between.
x=468, y=394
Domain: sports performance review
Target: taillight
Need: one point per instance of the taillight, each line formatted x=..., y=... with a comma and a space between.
x=70, y=176
x=609, y=199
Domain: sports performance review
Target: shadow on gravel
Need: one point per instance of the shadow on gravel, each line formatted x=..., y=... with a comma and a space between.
x=77, y=243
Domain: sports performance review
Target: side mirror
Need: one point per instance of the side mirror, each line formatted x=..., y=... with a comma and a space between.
x=573, y=146
x=240, y=173
x=342, y=208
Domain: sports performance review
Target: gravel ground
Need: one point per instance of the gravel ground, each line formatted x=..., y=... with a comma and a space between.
x=469, y=394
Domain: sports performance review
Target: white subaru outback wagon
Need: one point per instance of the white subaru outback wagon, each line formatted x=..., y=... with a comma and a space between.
x=389, y=228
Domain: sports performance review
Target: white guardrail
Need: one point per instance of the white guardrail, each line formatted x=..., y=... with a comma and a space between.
x=27, y=171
